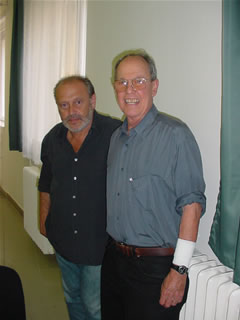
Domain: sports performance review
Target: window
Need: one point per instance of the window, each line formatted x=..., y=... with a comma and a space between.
x=2, y=72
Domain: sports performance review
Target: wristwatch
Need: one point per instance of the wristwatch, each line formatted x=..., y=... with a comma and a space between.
x=179, y=269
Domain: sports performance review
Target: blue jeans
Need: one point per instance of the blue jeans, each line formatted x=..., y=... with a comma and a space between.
x=81, y=285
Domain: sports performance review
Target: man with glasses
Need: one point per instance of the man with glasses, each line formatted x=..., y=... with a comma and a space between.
x=155, y=198
x=72, y=189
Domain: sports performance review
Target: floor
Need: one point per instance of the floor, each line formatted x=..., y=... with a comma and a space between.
x=39, y=273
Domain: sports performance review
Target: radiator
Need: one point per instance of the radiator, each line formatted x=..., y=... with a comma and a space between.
x=31, y=208
x=212, y=294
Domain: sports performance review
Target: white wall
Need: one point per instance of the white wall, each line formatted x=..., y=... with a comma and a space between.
x=11, y=162
x=184, y=37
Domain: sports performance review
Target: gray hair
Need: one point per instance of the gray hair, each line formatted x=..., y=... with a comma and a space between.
x=67, y=79
x=136, y=53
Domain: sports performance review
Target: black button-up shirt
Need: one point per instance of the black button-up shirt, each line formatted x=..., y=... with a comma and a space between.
x=76, y=182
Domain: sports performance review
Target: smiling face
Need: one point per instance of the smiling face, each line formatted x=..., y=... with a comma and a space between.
x=135, y=103
x=74, y=105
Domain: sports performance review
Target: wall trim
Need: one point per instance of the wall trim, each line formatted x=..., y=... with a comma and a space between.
x=14, y=203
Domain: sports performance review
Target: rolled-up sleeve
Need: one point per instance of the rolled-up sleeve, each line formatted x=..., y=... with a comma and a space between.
x=189, y=182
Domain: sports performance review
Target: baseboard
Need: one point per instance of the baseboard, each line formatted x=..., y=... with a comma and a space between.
x=14, y=203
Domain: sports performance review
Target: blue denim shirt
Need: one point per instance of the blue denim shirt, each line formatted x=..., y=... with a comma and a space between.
x=152, y=173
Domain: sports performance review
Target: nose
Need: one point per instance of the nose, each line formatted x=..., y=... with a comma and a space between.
x=130, y=86
x=71, y=108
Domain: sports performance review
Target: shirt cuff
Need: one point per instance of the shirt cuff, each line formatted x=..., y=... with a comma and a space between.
x=190, y=198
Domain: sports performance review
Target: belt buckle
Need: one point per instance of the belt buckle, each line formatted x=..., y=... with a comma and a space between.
x=123, y=247
x=127, y=250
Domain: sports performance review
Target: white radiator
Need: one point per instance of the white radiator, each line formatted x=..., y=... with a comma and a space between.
x=31, y=208
x=212, y=294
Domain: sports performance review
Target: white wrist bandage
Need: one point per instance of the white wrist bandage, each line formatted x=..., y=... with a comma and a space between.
x=183, y=252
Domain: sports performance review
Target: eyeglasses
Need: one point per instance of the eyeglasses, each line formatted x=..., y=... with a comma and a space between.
x=136, y=84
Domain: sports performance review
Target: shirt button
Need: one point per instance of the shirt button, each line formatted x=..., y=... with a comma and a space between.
x=75, y=159
x=74, y=178
x=131, y=179
x=75, y=231
x=74, y=214
x=74, y=197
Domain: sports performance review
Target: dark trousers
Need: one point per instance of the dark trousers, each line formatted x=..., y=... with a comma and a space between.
x=130, y=287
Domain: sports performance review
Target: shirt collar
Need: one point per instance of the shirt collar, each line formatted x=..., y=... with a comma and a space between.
x=95, y=122
x=147, y=120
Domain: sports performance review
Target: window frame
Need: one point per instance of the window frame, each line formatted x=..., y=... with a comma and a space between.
x=2, y=69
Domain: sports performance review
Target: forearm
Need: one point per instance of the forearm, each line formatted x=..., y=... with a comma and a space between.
x=190, y=221
x=45, y=202
x=187, y=235
x=174, y=284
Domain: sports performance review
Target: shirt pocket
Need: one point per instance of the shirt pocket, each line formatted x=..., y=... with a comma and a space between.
x=141, y=189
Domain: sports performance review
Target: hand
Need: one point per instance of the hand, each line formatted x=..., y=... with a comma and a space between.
x=43, y=229
x=172, y=290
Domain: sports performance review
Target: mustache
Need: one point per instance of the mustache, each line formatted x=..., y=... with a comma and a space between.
x=74, y=117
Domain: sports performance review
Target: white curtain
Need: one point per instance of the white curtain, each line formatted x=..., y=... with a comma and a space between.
x=54, y=47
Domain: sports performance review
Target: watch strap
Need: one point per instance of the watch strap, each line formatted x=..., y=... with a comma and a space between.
x=179, y=269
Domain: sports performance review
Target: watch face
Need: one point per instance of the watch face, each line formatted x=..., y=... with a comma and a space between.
x=182, y=269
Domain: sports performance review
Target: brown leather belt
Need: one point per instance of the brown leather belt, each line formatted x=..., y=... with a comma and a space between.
x=143, y=251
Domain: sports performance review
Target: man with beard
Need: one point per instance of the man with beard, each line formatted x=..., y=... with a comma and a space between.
x=72, y=189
